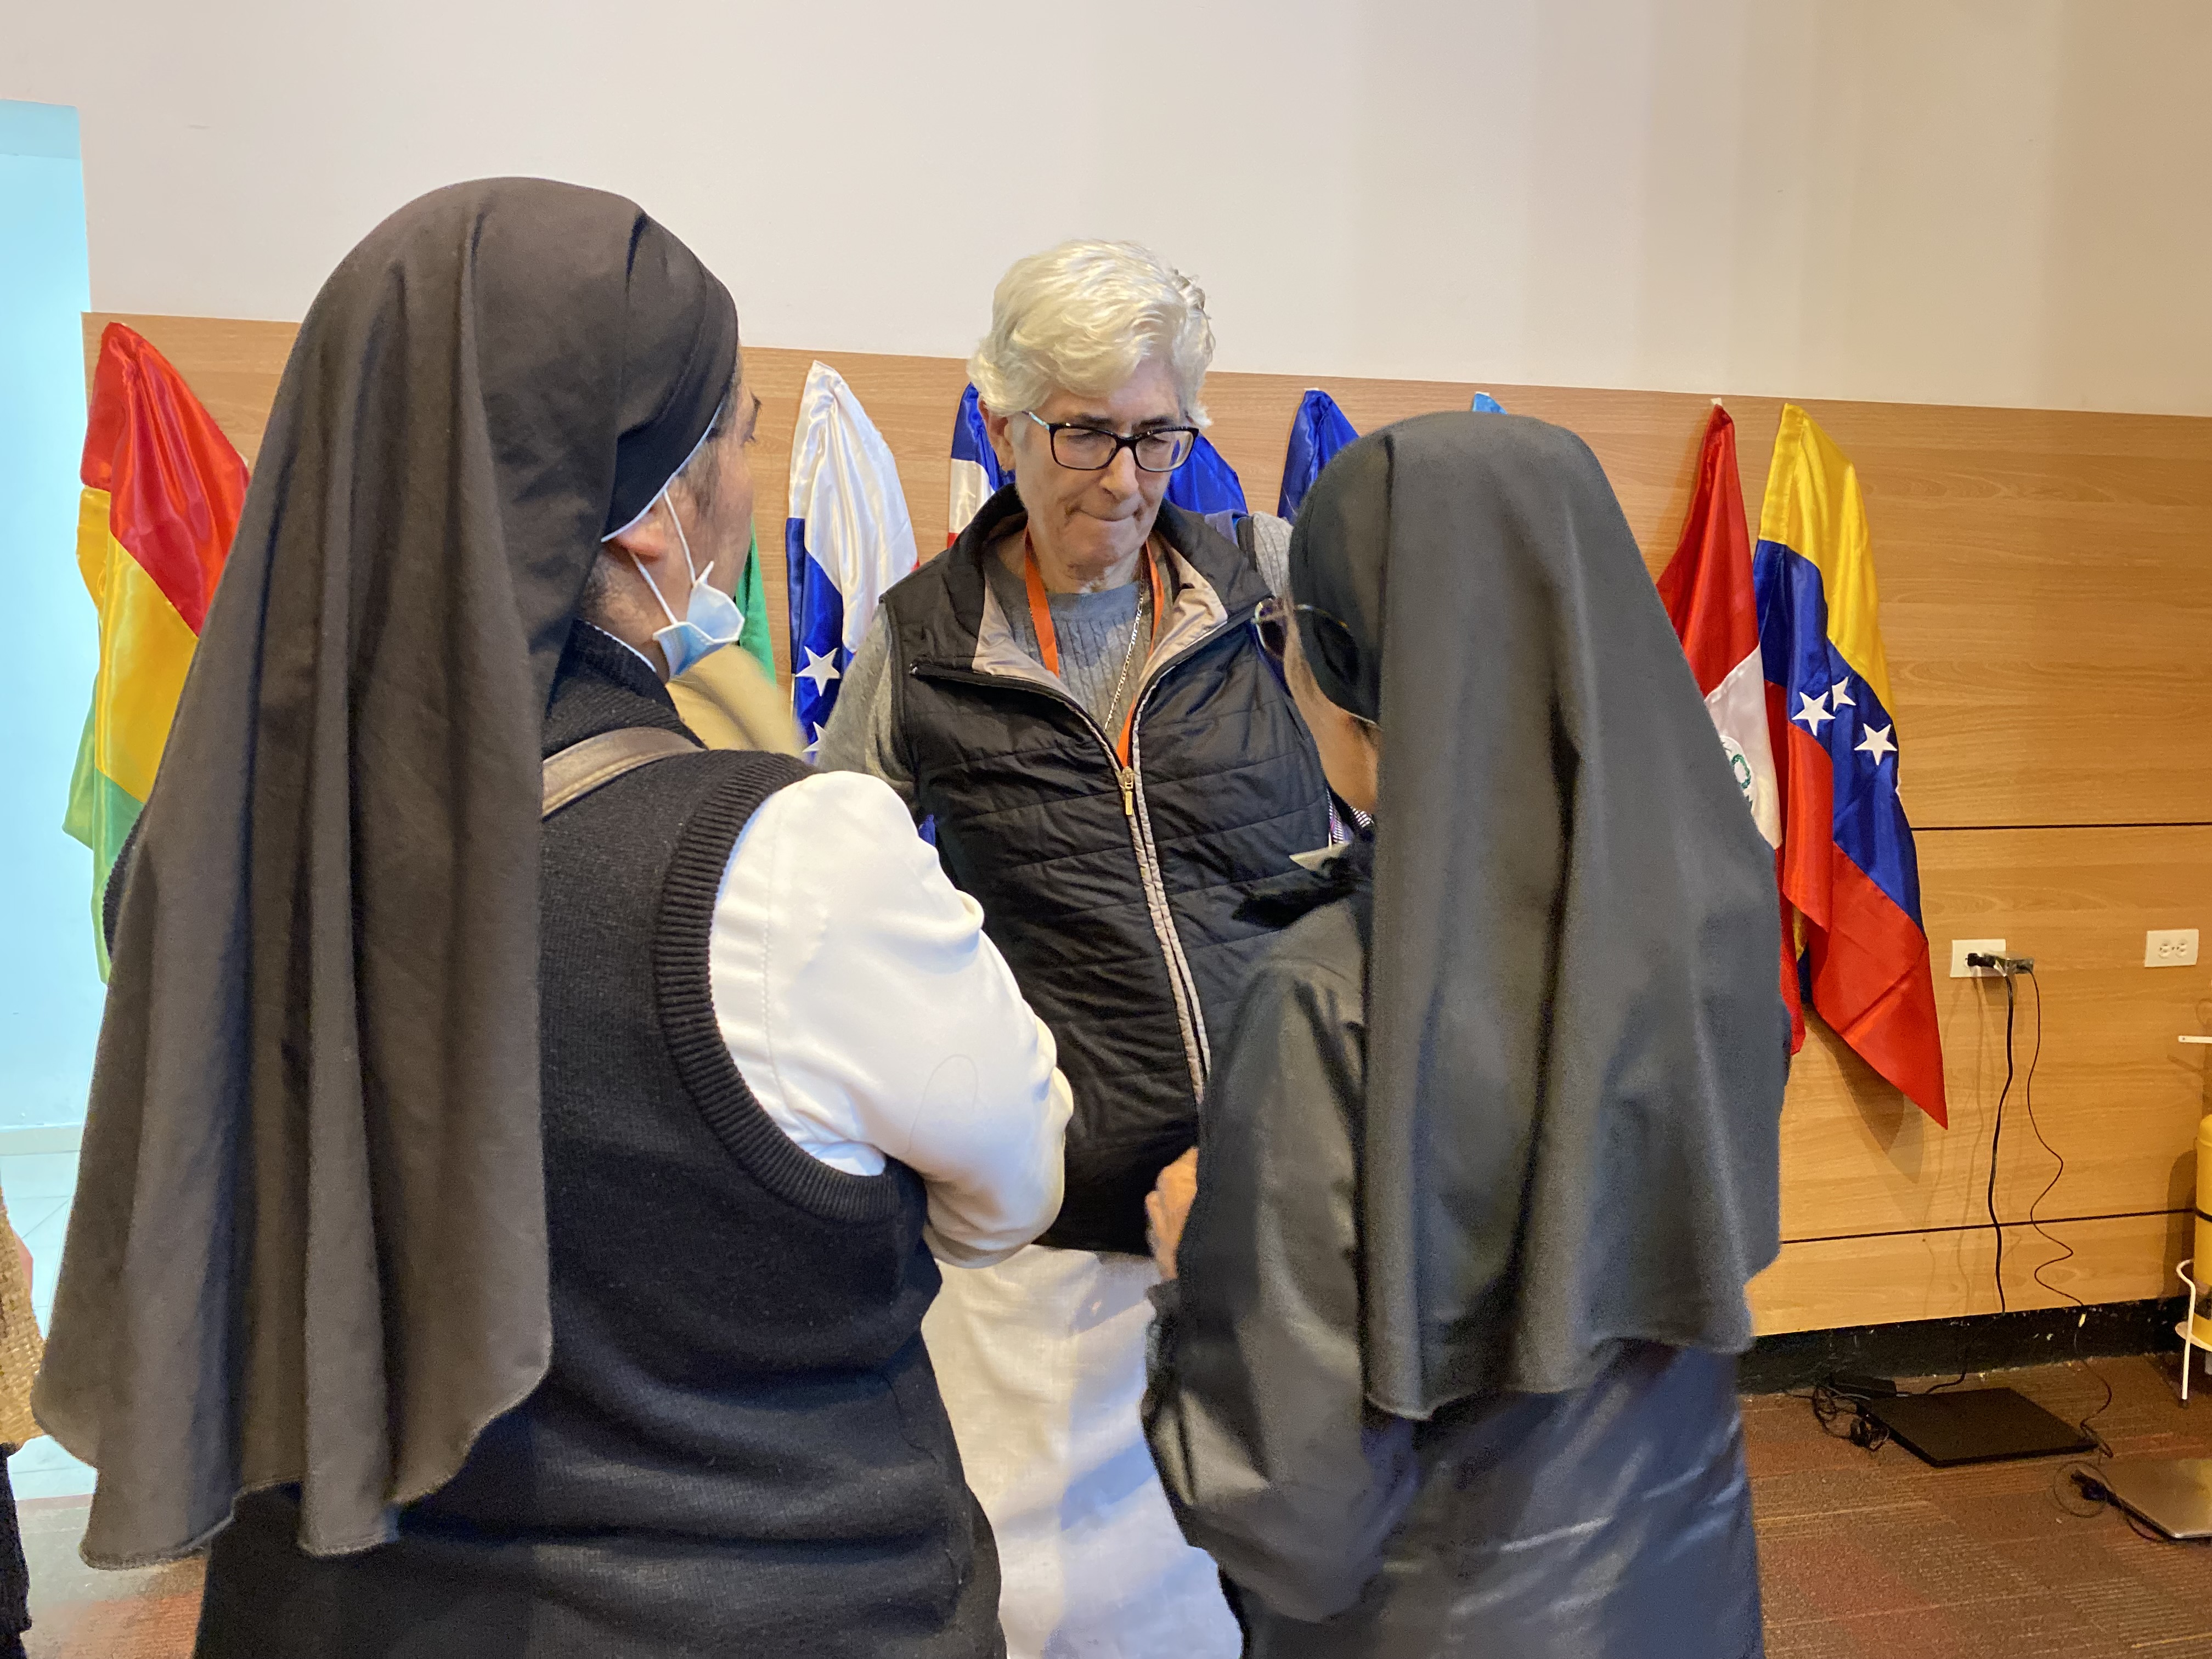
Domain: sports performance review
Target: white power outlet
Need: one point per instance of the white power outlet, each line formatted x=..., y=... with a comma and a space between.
x=1961, y=947
x=2174, y=947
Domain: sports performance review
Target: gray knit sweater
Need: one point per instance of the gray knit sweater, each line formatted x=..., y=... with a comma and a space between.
x=1093, y=631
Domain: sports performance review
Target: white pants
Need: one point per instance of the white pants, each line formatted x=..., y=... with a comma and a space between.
x=1042, y=1362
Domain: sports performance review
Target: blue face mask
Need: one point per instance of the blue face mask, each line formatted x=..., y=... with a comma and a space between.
x=711, y=618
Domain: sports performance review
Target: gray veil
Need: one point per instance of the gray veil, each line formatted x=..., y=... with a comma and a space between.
x=1577, y=1048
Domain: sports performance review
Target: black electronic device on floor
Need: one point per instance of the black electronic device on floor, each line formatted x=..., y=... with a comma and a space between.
x=1976, y=1426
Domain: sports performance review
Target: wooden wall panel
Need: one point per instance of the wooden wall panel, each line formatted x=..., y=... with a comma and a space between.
x=2046, y=581
x=2046, y=575
x=1886, y=1277
x=2114, y=1093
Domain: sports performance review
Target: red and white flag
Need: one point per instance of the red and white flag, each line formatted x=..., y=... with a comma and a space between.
x=1707, y=590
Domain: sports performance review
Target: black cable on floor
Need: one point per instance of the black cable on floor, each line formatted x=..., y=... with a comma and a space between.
x=2027, y=1100
x=2087, y=1478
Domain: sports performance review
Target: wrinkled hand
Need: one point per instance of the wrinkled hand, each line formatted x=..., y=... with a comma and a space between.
x=1167, y=1206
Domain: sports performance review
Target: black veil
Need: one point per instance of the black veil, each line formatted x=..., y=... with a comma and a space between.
x=309, y=1237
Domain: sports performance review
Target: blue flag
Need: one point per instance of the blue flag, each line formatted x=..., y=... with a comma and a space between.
x=848, y=537
x=1318, y=430
x=1205, y=483
x=1484, y=404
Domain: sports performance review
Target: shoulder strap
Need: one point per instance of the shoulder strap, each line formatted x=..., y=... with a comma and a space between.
x=573, y=773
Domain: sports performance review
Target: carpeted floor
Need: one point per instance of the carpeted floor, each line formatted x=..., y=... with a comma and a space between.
x=1863, y=1555
x=1878, y=1556
x=79, y=1614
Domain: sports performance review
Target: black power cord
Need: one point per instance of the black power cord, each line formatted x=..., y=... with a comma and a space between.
x=1996, y=1132
x=1839, y=1402
x=2087, y=1478
x=2027, y=1099
x=2014, y=969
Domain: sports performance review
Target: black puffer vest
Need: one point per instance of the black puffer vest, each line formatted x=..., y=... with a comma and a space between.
x=739, y=1447
x=1117, y=898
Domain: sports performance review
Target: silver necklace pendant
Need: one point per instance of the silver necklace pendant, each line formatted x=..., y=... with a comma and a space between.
x=1128, y=656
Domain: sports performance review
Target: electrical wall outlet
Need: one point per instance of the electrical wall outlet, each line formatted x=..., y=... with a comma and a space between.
x=1961, y=947
x=2173, y=947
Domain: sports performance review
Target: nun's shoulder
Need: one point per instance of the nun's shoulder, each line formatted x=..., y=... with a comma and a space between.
x=1325, y=950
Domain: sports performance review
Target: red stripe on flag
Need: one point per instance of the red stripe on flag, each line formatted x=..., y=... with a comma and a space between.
x=1708, y=593
x=1706, y=585
x=1807, y=778
x=175, y=485
x=1871, y=983
x=1869, y=960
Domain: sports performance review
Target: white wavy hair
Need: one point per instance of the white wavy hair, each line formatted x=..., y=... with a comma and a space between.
x=1081, y=317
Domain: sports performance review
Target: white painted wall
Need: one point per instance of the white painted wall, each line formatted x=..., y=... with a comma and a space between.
x=1971, y=201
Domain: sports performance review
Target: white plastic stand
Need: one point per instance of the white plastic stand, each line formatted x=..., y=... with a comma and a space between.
x=2187, y=1330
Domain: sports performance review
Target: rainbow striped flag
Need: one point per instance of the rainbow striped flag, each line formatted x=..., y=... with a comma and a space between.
x=162, y=490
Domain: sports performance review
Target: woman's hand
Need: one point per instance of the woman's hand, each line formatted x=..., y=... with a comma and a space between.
x=1168, y=1207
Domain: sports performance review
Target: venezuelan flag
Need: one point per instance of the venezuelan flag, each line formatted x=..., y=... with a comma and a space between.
x=1847, y=864
x=162, y=490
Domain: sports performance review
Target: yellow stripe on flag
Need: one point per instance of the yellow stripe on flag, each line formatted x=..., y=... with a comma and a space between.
x=145, y=648
x=1814, y=509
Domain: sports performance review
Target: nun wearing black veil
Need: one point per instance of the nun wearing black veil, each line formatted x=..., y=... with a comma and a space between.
x=1445, y=1366
x=494, y=1236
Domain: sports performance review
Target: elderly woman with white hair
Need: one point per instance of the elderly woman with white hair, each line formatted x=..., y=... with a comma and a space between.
x=1073, y=694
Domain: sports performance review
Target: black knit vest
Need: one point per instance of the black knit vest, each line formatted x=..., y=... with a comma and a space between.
x=739, y=1447
x=1030, y=820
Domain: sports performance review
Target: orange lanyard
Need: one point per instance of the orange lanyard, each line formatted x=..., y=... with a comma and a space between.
x=1048, y=637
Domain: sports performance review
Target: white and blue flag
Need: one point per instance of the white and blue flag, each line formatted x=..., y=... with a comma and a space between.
x=848, y=539
x=1484, y=404
x=977, y=474
x=1206, y=483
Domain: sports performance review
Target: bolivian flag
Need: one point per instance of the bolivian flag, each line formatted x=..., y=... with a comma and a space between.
x=162, y=490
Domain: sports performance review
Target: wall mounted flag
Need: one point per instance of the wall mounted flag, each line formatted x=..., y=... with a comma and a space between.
x=1848, y=863
x=847, y=539
x=977, y=474
x=1206, y=483
x=1318, y=430
x=1707, y=590
x=162, y=491
x=753, y=601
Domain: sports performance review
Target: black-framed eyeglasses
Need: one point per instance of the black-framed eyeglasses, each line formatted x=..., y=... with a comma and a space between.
x=1273, y=617
x=1083, y=448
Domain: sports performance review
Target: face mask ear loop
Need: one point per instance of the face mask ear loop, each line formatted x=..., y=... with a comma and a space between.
x=683, y=541
x=654, y=585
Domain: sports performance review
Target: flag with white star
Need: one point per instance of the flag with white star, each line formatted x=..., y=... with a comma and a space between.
x=1848, y=863
x=848, y=539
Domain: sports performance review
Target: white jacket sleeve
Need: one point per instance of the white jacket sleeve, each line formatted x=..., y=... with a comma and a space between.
x=872, y=1018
